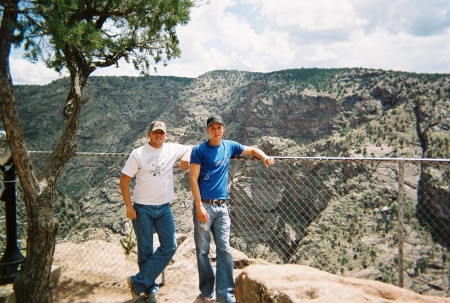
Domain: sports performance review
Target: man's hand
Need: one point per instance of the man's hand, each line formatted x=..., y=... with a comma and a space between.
x=202, y=214
x=131, y=213
x=184, y=164
x=256, y=152
x=268, y=161
x=185, y=160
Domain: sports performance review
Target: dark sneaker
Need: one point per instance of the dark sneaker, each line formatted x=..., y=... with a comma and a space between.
x=134, y=293
x=202, y=299
x=152, y=298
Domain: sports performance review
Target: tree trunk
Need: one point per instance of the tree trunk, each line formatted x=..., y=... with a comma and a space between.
x=32, y=283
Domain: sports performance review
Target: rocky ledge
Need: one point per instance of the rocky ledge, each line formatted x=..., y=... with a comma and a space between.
x=291, y=283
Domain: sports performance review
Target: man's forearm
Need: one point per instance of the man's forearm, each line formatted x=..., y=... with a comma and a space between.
x=125, y=191
x=187, y=155
x=259, y=154
x=196, y=193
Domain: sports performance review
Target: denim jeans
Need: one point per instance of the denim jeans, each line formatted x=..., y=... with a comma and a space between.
x=152, y=263
x=219, y=225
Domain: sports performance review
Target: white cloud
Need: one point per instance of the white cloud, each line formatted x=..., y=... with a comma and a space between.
x=321, y=55
x=268, y=35
x=415, y=17
x=25, y=72
x=310, y=15
x=123, y=69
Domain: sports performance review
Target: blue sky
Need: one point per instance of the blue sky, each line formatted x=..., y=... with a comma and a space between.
x=271, y=35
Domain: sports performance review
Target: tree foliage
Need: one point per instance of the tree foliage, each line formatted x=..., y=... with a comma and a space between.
x=103, y=32
x=79, y=36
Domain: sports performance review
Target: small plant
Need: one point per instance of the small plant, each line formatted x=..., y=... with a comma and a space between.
x=128, y=242
x=312, y=293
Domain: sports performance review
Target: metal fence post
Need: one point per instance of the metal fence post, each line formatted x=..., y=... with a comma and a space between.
x=12, y=258
x=401, y=167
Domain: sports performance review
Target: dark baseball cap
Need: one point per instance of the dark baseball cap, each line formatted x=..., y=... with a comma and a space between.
x=214, y=119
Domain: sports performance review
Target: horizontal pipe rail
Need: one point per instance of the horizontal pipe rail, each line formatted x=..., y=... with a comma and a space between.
x=331, y=159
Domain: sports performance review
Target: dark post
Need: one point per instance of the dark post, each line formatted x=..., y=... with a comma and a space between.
x=12, y=257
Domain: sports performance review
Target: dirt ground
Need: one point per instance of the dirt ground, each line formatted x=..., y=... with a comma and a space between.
x=70, y=291
x=101, y=276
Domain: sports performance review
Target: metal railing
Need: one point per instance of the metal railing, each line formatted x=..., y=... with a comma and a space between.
x=373, y=218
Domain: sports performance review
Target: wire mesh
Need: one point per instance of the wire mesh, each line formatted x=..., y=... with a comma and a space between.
x=340, y=215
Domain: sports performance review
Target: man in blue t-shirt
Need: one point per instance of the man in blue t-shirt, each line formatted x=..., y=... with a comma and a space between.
x=208, y=181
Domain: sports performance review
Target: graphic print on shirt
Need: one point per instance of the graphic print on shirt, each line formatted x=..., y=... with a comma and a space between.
x=222, y=162
x=156, y=168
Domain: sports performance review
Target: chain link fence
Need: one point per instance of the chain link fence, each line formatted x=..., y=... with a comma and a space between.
x=380, y=219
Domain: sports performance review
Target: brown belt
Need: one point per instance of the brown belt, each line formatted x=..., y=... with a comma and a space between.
x=215, y=201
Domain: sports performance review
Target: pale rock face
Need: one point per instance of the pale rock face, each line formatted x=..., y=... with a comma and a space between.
x=296, y=283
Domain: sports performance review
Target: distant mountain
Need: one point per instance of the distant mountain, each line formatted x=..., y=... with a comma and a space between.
x=301, y=105
x=298, y=112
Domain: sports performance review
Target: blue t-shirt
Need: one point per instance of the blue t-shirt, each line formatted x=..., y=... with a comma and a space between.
x=214, y=161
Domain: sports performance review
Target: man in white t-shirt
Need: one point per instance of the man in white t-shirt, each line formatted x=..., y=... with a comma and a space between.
x=152, y=167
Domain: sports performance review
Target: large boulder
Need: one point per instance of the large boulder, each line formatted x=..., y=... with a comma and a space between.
x=296, y=283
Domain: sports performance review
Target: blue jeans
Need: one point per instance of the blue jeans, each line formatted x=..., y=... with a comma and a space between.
x=219, y=225
x=151, y=264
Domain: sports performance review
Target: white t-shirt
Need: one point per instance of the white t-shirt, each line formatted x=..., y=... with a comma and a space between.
x=153, y=169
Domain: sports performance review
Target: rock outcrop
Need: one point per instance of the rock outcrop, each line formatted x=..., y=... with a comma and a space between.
x=295, y=283
x=103, y=279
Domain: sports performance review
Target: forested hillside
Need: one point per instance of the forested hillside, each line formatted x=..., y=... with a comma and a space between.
x=300, y=112
x=303, y=106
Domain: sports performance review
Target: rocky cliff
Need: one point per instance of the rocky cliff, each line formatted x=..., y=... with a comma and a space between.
x=302, y=112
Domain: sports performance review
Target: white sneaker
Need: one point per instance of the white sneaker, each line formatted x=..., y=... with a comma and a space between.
x=202, y=299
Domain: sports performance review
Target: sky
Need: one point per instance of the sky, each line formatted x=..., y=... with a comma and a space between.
x=272, y=35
